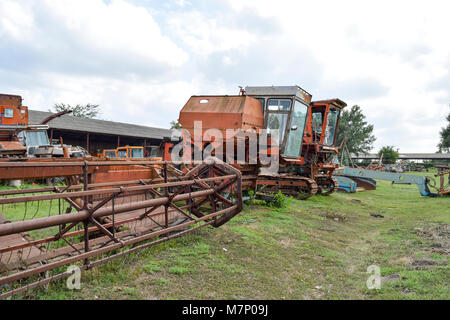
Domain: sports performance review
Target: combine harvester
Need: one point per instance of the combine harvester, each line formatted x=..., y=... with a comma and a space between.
x=306, y=142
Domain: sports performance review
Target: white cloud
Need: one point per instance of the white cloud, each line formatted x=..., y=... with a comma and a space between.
x=16, y=21
x=119, y=28
x=401, y=45
x=204, y=36
x=141, y=64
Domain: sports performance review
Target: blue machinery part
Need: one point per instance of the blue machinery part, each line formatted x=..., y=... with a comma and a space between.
x=345, y=184
x=346, y=174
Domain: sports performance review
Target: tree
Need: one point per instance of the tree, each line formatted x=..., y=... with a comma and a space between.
x=175, y=125
x=390, y=155
x=444, y=145
x=90, y=111
x=358, y=133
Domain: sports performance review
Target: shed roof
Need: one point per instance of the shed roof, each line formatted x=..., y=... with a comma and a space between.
x=69, y=122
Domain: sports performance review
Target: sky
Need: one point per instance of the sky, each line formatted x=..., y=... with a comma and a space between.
x=141, y=60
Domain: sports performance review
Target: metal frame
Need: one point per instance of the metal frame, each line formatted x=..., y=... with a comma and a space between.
x=204, y=191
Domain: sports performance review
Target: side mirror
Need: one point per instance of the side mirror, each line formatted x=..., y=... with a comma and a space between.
x=294, y=128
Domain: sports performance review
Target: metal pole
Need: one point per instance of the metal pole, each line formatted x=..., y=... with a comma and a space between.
x=166, y=207
x=85, y=207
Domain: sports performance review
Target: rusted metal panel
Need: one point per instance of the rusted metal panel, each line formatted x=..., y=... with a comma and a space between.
x=124, y=173
x=222, y=112
x=12, y=111
x=10, y=100
x=12, y=147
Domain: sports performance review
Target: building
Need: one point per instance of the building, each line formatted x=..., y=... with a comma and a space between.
x=96, y=135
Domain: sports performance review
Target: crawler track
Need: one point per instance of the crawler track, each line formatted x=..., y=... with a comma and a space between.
x=297, y=187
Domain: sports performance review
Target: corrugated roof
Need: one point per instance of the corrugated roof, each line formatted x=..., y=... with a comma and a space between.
x=68, y=122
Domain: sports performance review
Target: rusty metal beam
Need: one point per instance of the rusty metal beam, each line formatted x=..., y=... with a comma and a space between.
x=39, y=223
x=96, y=252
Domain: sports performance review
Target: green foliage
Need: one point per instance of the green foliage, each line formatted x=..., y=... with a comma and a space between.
x=444, y=144
x=358, y=133
x=178, y=270
x=151, y=268
x=390, y=155
x=280, y=200
x=175, y=125
x=90, y=111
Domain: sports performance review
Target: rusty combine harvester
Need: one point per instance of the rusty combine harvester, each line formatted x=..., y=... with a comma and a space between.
x=306, y=145
x=106, y=209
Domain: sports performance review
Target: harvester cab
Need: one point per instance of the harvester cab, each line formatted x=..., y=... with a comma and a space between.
x=324, y=112
x=285, y=110
x=307, y=131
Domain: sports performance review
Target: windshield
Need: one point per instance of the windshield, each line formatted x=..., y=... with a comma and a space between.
x=330, y=131
x=111, y=154
x=36, y=138
x=137, y=153
x=295, y=138
x=154, y=152
x=278, y=112
x=122, y=153
x=317, y=119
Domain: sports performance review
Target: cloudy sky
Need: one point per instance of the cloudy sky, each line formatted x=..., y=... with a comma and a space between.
x=142, y=59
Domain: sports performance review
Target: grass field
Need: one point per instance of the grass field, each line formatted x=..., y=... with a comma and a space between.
x=314, y=249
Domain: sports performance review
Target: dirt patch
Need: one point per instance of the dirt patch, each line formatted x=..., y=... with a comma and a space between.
x=287, y=243
x=404, y=289
x=335, y=216
x=390, y=278
x=405, y=260
x=438, y=236
x=424, y=262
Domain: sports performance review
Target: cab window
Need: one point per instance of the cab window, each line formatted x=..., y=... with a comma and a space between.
x=122, y=153
x=330, y=130
x=110, y=154
x=137, y=153
x=278, y=113
x=154, y=152
x=317, y=121
x=297, y=128
x=279, y=105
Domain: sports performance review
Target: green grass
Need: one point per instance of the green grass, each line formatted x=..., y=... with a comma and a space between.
x=314, y=249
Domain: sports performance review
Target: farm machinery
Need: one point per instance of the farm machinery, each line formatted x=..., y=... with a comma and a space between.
x=19, y=139
x=105, y=210
x=109, y=207
x=280, y=123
